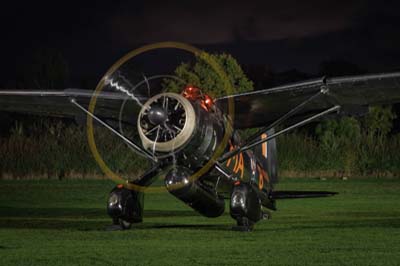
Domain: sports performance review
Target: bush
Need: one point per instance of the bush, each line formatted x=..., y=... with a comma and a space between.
x=55, y=149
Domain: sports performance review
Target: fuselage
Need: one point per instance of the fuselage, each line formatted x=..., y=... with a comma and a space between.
x=191, y=136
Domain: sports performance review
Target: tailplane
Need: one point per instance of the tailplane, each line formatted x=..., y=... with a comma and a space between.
x=276, y=195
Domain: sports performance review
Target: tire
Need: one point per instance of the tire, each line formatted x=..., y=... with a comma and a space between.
x=124, y=224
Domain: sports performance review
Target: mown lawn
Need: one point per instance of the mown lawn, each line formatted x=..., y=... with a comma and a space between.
x=62, y=222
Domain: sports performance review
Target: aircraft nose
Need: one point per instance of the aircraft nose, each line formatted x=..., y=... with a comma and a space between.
x=157, y=115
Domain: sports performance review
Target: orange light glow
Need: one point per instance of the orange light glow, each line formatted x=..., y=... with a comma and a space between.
x=208, y=101
x=191, y=93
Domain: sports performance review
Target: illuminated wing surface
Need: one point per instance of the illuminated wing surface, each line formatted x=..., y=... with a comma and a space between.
x=260, y=108
x=253, y=109
x=58, y=103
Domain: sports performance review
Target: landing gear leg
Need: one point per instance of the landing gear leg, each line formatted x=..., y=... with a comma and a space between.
x=125, y=208
x=245, y=207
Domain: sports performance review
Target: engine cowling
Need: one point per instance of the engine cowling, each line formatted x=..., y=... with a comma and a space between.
x=170, y=124
x=166, y=122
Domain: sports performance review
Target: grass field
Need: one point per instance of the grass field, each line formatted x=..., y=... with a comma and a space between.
x=62, y=222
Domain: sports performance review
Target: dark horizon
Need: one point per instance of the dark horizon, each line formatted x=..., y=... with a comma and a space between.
x=282, y=35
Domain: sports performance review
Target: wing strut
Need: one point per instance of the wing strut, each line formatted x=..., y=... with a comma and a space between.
x=286, y=116
x=135, y=147
x=250, y=144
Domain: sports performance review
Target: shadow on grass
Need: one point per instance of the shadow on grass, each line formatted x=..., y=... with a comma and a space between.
x=96, y=219
x=208, y=227
x=6, y=212
x=341, y=223
x=86, y=219
x=98, y=225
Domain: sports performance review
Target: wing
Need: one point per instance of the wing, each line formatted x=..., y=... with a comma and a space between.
x=259, y=108
x=58, y=103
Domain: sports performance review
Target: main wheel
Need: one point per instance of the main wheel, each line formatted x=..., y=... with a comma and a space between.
x=124, y=224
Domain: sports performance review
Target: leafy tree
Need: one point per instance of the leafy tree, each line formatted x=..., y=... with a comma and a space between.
x=336, y=133
x=379, y=120
x=358, y=145
x=377, y=125
x=200, y=74
x=340, y=140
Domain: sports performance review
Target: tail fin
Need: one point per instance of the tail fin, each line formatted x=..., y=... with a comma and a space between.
x=266, y=155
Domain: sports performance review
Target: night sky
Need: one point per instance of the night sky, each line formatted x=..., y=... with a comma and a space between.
x=281, y=34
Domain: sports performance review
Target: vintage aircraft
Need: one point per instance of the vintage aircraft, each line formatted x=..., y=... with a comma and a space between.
x=191, y=139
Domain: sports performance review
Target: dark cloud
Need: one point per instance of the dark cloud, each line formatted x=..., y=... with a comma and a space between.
x=221, y=22
x=282, y=33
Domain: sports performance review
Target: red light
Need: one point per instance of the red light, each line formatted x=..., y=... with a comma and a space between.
x=191, y=93
x=208, y=101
